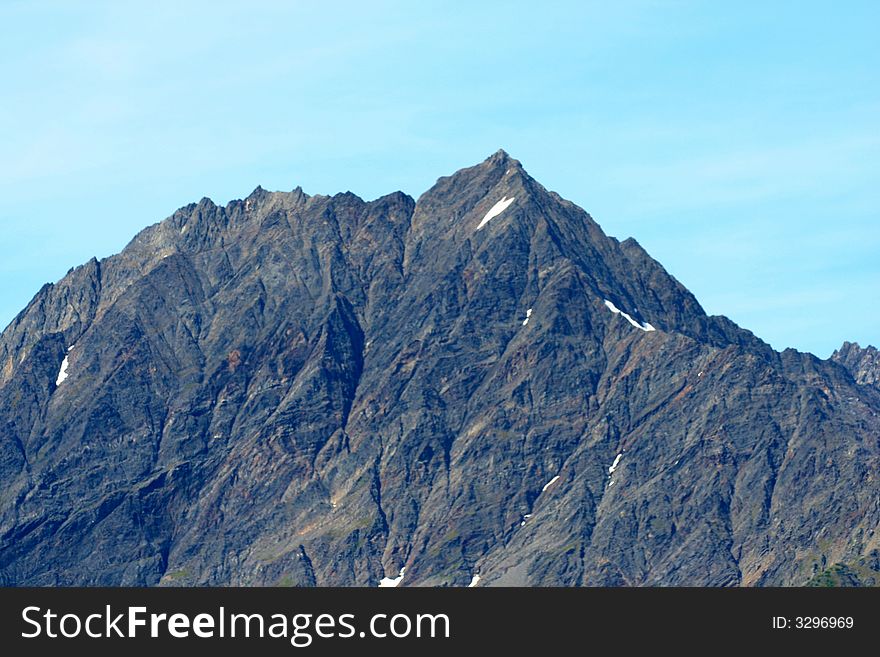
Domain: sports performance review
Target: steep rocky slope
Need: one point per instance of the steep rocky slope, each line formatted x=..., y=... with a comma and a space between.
x=863, y=364
x=313, y=390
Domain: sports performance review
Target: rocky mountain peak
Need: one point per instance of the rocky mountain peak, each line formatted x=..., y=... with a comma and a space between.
x=862, y=363
x=326, y=390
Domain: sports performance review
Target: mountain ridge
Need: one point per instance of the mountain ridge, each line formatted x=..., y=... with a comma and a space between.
x=325, y=390
x=862, y=363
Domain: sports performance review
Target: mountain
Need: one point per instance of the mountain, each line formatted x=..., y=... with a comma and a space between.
x=863, y=364
x=477, y=387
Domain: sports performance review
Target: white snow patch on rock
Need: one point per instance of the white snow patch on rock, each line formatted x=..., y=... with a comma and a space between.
x=495, y=210
x=614, y=465
x=528, y=314
x=617, y=311
x=549, y=483
x=62, y=373
x=474, y=581
x=391, y=582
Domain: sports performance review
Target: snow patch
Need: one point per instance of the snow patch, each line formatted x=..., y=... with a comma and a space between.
x=549, y=483
x=617, y=311
x=524, y=518
x=62, y=373
x=495, y=210
x=615, y=464
x=389, y=582
x=474, y=581
x=528, y=314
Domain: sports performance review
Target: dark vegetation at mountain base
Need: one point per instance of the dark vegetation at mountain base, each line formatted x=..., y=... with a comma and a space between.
x=312, y=390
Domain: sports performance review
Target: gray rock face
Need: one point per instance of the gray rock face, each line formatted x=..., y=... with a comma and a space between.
x=863, y=364
x=312, y=390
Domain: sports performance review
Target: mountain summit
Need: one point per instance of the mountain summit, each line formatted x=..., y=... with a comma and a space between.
x=315, y=390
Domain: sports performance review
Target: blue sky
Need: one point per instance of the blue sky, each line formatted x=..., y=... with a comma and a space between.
x=738, y=142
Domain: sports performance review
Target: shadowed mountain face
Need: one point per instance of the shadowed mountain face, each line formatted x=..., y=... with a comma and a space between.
x=312, y=390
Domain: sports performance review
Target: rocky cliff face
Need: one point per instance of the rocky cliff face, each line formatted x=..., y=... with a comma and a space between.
x=312, y=390
x=863, y=364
